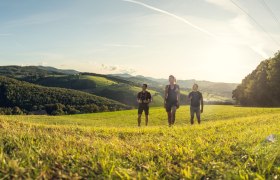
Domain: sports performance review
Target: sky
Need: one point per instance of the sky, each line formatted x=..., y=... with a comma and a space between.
x=215, y=40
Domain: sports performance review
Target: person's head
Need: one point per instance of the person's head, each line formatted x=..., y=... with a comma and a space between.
x=195, y=87
x=172, y=79
x=144, y=87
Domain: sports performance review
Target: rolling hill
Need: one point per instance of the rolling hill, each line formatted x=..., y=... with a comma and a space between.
x=109, y=87
x=30, y=98
x=121, y=87
x=30, y=71
x=118, y=89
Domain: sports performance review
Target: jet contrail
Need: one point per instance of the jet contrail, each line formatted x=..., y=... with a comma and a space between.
x=187, y=22
x=174, y=16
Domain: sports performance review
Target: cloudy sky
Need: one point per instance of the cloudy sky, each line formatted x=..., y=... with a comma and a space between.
x=217, y=40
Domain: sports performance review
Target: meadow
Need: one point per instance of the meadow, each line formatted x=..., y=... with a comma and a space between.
x=229, y=144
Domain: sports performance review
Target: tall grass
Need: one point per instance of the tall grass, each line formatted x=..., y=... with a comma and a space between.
x=230, y=144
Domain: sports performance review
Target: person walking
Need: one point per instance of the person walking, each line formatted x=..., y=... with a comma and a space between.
x=196, y=99
x=144, y=98
x=172, y=99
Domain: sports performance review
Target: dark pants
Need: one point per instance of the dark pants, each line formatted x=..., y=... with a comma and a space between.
x=171, y=107
x=143, y=107
x=195, y=110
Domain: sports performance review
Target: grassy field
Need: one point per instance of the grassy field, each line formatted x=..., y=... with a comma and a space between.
x=100, y=81
x=229, y=144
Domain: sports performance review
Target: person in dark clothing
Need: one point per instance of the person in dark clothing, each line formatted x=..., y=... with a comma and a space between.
x=196, y=99
x=144, y=98
x=172, y=99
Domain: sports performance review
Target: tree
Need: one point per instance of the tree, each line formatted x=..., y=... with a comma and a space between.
x=262, y=86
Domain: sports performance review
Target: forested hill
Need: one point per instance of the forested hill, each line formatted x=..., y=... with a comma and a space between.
x=32, y=71
x=24, y=97
x=262, y=86
x=120, y=88
x=117, y=88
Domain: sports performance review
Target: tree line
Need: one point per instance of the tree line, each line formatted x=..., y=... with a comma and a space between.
x=262, y=86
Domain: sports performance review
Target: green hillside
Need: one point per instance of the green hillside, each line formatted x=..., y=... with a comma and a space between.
x=33, y=71
x=76, y=82
x=121, y=88
x=99, y=81
x=29, y=97
x=100, y=85
x=124, y=91
x=229, y=144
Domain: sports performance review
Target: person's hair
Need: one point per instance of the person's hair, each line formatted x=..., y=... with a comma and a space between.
x=195, y=85
x=171, y=76
x=145, y=85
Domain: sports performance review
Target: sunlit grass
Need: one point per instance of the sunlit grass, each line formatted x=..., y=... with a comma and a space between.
x=100, y=81
x=230, y=144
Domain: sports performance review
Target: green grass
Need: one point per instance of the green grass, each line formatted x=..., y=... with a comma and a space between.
x=100, y=81
x=157, y=117
x=229, y=144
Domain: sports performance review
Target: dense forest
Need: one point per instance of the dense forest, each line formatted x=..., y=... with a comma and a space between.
x=262, y=86
x=17, y=97
x=66, y=81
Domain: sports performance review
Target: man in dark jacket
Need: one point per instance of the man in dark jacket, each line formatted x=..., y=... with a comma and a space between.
x=196, y=99
x=144, y=98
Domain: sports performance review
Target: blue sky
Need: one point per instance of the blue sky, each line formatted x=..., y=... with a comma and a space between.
x=202, y=39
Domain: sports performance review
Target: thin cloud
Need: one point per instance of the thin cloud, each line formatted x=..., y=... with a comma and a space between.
x=259, y=48
x=223, y=4
x=174, y=16
x=45, y=56
x=108, y=69
x=117, y=69
x=5, y=34
x=36, y=19
x=226, y=5
x=124, y=45
x=244, y=29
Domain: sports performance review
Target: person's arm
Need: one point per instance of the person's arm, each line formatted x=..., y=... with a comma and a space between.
x=149, y=98
x=165, y=94
x=138, y=98
x=178, y=94
x=202, y=105
x=190, y=96
x=178, y=97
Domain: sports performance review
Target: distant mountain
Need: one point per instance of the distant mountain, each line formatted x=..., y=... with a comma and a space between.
x=28, y=71
x=221, y=89
x=23, y=71
x=217, y=88
x=139, y=80
x=63, y=71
